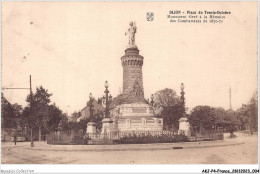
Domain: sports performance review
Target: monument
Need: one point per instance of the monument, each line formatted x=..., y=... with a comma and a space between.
x=131, y=111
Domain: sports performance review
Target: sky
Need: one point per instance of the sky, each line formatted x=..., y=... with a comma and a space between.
x=72, y=48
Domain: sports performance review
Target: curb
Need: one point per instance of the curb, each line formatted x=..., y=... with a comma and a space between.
x=216, y=145
x=137, y=149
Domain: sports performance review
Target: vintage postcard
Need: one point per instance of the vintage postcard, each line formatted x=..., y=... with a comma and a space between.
x=129, y=83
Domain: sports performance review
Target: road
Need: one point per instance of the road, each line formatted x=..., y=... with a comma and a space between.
x=242, y=150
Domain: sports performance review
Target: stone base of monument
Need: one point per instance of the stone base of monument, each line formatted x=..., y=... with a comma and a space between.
x=138, y=117
x=91, y=128
x=109, y=129
x=184, y=127
x=108, y=134
x=107, y=125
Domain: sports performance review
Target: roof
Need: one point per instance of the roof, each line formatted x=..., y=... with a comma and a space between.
x=98, y=109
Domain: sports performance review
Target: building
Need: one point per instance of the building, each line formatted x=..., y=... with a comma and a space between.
x=74, y=117
x=98, y=108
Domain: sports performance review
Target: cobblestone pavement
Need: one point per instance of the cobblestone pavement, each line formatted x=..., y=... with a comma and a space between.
x=242, y=150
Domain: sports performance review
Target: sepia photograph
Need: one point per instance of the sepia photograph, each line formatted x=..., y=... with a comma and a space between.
x=129, y=83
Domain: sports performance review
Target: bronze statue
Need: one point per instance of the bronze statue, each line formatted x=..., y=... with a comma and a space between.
x=131, y=32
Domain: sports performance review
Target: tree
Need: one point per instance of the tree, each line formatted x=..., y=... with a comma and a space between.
x=242, y=114
x=97, y=119
x=171, y=107
x=202, y=117
x=64, y=121
x=210, y=118
x=226, y=119
x=18, y=109
x=7, y=114
x=166, y=98
x=171, y=116
x=231, y=121
x=248, y=114
x=40, y=106
x=83, y=124
x=25, y=118
x=73, y=124
x=41, y=101
x=54, y=118
x=75, y=115
x=220, y=116
x=64, y=118
x=253, y=112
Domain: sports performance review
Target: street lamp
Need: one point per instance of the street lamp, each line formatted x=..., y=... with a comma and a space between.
x=182, y=86
x=106, y=84
x=183, y=98
x=108, y=100
x=90, y=104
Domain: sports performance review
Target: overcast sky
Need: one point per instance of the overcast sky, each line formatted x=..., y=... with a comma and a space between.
x=72, y=48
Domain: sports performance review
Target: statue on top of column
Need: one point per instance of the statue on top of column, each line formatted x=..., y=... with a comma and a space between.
x=131, y=32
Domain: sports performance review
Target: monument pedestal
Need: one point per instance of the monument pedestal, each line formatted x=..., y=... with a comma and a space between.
x=91, y=128
x=109, y=129
x=138, y=117
x=184, y=126
x=106, y=124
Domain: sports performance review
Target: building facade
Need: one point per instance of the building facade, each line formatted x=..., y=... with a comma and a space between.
x=98, y=108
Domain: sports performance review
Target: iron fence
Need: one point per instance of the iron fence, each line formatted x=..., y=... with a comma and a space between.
x=128, y=137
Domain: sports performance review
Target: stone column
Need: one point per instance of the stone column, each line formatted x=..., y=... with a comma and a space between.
x=132, y=64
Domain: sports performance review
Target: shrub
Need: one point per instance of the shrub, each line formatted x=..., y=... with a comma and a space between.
x=146, y=139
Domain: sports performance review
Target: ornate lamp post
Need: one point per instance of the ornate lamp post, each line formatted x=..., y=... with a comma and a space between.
x=184, y=126
x=107, y=122
x=152, y=102
x=108, y=100
x=183, y=99
x=90, y=104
